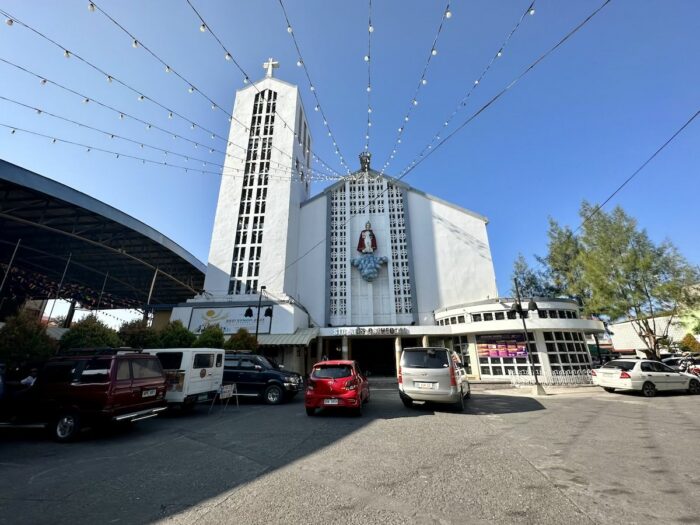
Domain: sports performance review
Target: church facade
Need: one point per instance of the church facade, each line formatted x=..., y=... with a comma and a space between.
x=362, y=269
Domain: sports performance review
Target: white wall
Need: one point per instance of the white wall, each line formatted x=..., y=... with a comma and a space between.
x=451, y=256
x=311, y=269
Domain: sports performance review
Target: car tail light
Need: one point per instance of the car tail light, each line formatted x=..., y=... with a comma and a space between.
x=593, y=373
x=453, y=379
x=400, y=375
x=351, y=384
x=625, y=375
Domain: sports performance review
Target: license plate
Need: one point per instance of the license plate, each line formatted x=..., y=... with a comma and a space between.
x=149, y=393
x=424, y=385
x=202, y=397
x=330, y=401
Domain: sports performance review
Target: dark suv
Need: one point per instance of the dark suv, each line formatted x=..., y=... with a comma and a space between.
x=258, y=376
x=84, y=387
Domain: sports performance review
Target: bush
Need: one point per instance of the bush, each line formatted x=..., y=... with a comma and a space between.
x=241, y=340
x=90, y=332
x=137, y=334
x=689, y=344
x=211, y=337
x=23, y=340
x=175, y=335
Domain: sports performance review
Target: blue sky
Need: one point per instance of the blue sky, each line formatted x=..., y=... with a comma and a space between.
x=573, y=128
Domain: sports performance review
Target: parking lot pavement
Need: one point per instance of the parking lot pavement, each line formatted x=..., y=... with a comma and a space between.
x=508, y=459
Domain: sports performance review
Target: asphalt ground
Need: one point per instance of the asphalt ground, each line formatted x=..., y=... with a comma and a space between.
x=578, y=458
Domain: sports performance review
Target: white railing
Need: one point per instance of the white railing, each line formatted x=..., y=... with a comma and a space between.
x=552, y=378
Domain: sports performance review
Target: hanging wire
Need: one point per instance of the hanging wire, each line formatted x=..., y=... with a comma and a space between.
x=314, y=91
x=123, y=114
x=422, y=81
x=463, y=103
x=165, y=151
x=234, y=62
x=368, y=59
x=89, y=148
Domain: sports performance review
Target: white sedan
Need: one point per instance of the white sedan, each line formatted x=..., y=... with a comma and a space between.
x=644, y=375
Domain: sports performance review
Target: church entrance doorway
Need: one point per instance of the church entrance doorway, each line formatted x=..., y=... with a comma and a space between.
x=376, y=356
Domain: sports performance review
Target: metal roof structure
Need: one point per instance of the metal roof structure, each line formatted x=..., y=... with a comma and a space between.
x=72, y=246
x=302, y=337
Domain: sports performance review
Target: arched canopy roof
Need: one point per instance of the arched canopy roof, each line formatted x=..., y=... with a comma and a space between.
x=113, y=257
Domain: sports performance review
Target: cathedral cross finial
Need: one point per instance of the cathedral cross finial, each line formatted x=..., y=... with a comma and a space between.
x=270, y=65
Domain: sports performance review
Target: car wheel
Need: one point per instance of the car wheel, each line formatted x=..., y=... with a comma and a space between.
x=608, y=389
x=407, y=402
x=358, y=410
x=310, y=411
x=273, y=395
x=648, y=389
x=66, y=427
x=694, y=387
x=459, y=405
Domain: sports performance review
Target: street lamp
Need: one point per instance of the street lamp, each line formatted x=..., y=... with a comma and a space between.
x=531, y=306
x=257, y=322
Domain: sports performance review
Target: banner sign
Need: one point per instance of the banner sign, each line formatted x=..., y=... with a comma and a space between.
x=226, y=391
x=501, y=345
x=231, y=318
x=381, y=330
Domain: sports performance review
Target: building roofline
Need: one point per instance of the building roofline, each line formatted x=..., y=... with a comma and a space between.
x=26, y=178
x=401, y=184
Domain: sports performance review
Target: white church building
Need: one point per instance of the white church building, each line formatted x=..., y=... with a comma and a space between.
x=364, y=268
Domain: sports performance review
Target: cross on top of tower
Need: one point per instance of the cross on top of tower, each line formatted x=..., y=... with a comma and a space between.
x=270, y=65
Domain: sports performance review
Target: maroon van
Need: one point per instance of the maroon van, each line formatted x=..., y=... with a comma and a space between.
x=81, y=388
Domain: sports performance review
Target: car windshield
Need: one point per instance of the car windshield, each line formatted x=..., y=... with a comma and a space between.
x=425, y=358
x=331, y=371
x=620, y=365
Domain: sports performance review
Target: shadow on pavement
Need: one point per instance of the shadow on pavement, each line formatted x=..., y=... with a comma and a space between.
x=481, y=404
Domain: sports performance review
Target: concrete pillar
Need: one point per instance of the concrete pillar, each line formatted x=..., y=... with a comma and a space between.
x=425, y=341
x=319, y=348
x=473, y=357
x=345, y=347
x=397, y=352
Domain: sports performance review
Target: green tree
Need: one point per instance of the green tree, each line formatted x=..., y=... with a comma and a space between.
x=211, y=337
x=241, y=340
x=628, y=276
x=90, y=332
x=175, y=335
x=689, y=344
x=137, y=334
x=563, y=262
x=532, y=283
x=23, y=339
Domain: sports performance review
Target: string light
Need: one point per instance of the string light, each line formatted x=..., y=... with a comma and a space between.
x=227, y=56
x=531, y=11
x=203, y=28
x=91, y=7
x=422, y=80
x=9, y=21
x=167, y=69
x=66, y=53
x=135, y=43
x=428, y=150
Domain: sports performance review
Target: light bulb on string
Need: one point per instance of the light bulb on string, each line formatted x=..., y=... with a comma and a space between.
x=9, y=22
x=499, y=54
x=424, y=81
x=227, y=56
x=433, y=52
x=203, y=28
x=167, y=69
x=371, y=28
x=66, y=53
x=91, y=7
x=109, y=78
x=316, y=108
x=531, y=11
x=43, y=81
x=289, y=29
x=170, y=115
x=415, y=102
x=299, y=63
x=192, y=126
x=121, y=116
x=135, y=44
x=448, y=14
x=38, y=112
x=476, y=82
x=141, y=98
x=369, y=88
x=190, y=89
x=366, y=58
x=86, y=100
x=213, y=106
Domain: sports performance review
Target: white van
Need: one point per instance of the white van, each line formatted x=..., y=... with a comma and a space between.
x=194, y=375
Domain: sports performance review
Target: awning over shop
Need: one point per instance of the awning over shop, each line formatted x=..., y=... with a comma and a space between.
x=302, y=337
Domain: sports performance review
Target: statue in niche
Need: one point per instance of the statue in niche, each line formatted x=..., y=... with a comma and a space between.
x=368, y=263
x=367, y=242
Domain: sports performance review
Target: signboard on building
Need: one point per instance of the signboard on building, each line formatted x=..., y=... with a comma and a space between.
x=371, y=330
x=501, y=345
x=230, y=319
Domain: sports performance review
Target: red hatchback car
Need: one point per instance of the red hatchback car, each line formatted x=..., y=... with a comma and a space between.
x=336, y=384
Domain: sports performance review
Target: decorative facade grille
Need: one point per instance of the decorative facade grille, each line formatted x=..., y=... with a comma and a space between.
x=245, y=268
x=367, y=196
x=403, y=303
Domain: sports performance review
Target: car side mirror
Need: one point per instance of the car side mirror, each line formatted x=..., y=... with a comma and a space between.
x=281, y=366
x=258, y=367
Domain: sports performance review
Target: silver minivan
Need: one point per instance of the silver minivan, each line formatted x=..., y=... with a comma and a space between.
x=432, y=374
